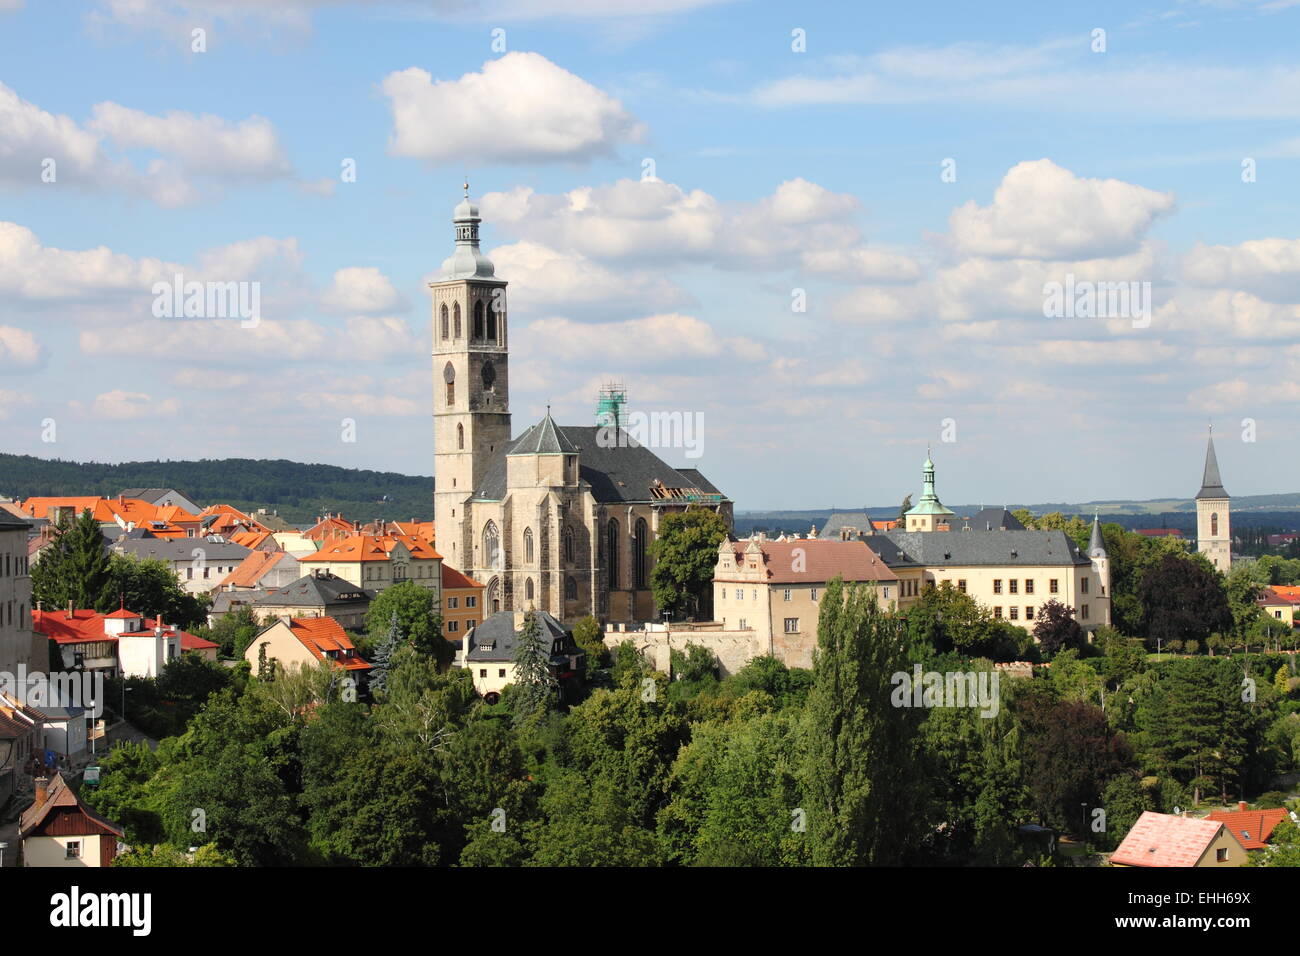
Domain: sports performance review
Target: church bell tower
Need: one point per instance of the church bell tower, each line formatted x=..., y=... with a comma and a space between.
x=471, y=396
x=1213, y=531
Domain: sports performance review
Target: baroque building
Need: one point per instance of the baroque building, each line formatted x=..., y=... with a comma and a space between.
x=562, y=517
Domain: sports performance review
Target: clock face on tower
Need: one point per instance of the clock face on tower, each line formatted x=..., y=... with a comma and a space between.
x=489, y=374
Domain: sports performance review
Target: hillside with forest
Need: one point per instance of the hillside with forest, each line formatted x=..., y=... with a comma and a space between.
x=298, y=492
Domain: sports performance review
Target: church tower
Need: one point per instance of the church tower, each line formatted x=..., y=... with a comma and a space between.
x=471, y=396
x=1213, y=531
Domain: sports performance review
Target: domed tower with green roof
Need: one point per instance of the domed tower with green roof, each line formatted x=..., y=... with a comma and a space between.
x=929, y=514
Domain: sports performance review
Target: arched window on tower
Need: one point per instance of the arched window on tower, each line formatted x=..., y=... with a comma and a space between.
x=449, y=376
x=455, y=319
x=492, y=321
x=478, y=319
x=568, y=545
x=639, y=555
x=570, y=589
x=528, y=590
x=1214, y=525
x=491, y=556
x=445, y=326
x=460, y=437
x=528, y=545
x=611, y=551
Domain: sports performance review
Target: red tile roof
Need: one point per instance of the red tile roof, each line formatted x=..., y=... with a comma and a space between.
x=252, y=569
x=1251, y=827
x=1162, y=839
x=369, y=547
x=88, y=625
x=812, y=560
x=451, y=578
x=321, y=634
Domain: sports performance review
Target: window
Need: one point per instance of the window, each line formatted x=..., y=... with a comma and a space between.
x=453, y=627
x=455, y=320
x=640, y=544
x=744, y=625
x=961, y=585
x=997, y=585
x=528, y=590
x=1083, y=611
x=492, y=320
x=1277, y=614
x=453, y=602
x=886, y=590
x=460, y=437
x=501, y=672
x=611, y=556
x=568, y=545
x=1083, y=585
x=482, y=672
x=528, y=543
x=1054, y=586
x=1214, y=525
x=189, y=574
x=792, y=625
x=1029, y=585
x=445, y=325
x=1221, y=855
x=478, y=319
x=570, y=589
x=814, y=594
x=1013, y=585
x=72, y=850
x=471, y=601
x=1029, y=614
x=788, y=594
x=1014, y=613
x=491, y=556
x=997, y=612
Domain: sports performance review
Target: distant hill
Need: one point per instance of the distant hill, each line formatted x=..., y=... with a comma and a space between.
x=298, y=492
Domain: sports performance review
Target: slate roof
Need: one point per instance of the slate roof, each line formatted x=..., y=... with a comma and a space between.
x=1211, y=482
x=975, y=548
x=499, y=631
x=182, y=549
x=544, y=438
x=621, y=473
x=856, y=522
x=8, y=523
x=994, y=519
x=1162, y=839
x=316, y=591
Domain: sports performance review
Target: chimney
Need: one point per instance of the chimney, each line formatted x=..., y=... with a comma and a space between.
x=1242, y=806
x=69, y=609
x=42, y=790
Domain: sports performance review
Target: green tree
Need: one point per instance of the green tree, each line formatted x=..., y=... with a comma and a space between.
x=860, y=775
x=150, y=587
x=233, y=631
x=1056, y=629
x=417, y=618
x=535, y=684
x=1184, y=600
x=74, y=569
x=587, y=635
x=685, y=554
x=164, y=854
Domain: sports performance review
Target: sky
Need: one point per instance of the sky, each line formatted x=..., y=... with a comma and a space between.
x=828, y=235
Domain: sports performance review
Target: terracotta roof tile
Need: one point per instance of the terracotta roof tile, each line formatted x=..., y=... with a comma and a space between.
x=1162, y=839
x=1252, y=828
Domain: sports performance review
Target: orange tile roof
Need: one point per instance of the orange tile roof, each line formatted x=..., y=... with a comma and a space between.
x=88, y=625
x=321, y=634
x=251, y=540
x=451, y=578
x=1162, y=839
x=369, y=547
x=1252, y=828
x=251, y=570
x=820, y=560
x=330, y=524
x=1289, y=592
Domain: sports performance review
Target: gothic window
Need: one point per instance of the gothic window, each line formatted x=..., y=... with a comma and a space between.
x=455, y=319
x=639, y=553
x=478, y=319
x=570, y=589
x=568, y=545
x=1214, y=525
x=449, y=376
x=489, y=375
x=493, y=600
x=444, y=320
x=492, y=321
x=460, y=437
x=528, y=545
x=491, y=556
x=611, y=553
x=528, y=590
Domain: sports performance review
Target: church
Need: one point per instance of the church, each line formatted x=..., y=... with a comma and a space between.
x=561, y=518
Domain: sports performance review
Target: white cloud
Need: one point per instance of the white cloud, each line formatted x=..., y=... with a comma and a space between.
x=359, y=290
x=118, y=405
x=544, y=280
x=1269, y=268
x=1041, y=211
x=656, y=339
x=362, y=403
x=19, y=348
x=521, y=108
x=34, y=271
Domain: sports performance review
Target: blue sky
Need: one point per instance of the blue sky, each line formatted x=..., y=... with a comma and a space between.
x=774, y=170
